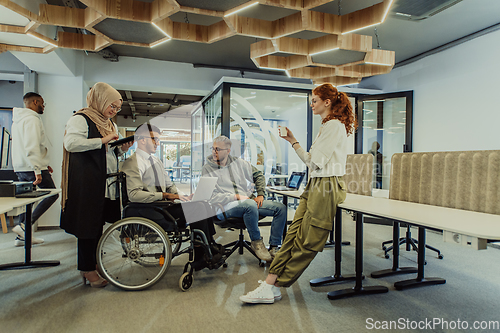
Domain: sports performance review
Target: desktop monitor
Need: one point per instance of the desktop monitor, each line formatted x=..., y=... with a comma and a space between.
x=4, y=149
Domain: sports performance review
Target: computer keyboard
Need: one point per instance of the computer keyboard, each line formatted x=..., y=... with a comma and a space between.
x=33, y=194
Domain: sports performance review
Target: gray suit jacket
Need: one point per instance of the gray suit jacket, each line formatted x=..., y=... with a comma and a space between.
x=137, y=189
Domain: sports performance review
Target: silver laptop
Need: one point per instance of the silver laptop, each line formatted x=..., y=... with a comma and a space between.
x=206, y=187
x=293, y=184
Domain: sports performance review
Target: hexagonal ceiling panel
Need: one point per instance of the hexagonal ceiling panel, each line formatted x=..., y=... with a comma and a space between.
x=128, y=31
x=338, y=57
x=289, y=36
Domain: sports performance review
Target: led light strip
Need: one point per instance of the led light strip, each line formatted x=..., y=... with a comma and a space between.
x=371, y=25
x=383, y=19
x=387, y=11
x=313, y=54
x=347, y=84
x=377, y=63
x=157, y=27
x=239, y=10
x=41, y=39
x=274, y=69
x=161, y=41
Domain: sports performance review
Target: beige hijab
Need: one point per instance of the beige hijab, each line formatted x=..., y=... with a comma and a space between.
x=100, y=96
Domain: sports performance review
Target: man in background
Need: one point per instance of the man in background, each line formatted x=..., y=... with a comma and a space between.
x=30, y=157
x=238, y=182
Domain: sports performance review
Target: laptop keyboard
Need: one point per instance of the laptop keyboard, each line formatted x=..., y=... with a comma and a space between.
x=33, y=194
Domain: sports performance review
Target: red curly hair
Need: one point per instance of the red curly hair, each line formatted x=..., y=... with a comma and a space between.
x=341, y=106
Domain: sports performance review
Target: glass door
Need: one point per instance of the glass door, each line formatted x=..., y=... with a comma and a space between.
x=385, y=128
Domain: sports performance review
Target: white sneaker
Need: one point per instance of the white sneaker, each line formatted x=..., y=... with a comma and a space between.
x=19, y=241
x=276, y=293
x=260, y=250
x=263, y=294
x=19, y=230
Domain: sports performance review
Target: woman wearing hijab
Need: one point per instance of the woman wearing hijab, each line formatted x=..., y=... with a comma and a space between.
x=85, y=206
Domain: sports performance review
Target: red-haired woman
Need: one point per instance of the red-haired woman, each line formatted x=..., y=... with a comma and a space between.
x=325, y=189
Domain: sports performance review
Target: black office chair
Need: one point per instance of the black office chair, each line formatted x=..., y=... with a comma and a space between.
x=411, y=243
x=241, y=243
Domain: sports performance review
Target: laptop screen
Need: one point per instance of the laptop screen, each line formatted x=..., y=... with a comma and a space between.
x=295, y=179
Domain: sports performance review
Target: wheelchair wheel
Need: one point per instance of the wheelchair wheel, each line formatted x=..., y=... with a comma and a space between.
x=134, y=253
x=186, y=281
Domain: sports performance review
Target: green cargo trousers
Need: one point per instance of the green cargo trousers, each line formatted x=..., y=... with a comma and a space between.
x=310, y=228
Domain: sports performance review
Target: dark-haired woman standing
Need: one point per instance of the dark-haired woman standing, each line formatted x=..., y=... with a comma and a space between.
x=325, y=189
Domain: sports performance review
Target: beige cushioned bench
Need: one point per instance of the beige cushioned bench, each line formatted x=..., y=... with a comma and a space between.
x=468, y=180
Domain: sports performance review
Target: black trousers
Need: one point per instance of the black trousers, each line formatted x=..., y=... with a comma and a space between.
x=87, y=249
x=45, y=204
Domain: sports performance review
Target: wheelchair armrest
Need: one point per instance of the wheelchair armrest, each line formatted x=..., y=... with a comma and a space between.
x=151, y=205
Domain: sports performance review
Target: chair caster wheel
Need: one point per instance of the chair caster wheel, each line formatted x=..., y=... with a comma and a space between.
x=384, y=248
x=224, y=265
x=262, y=263
x=425, y=262
x=440, y=256
x=186, y=281
x=386, y=256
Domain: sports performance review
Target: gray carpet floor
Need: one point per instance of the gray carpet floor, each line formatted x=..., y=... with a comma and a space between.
x=54, y=300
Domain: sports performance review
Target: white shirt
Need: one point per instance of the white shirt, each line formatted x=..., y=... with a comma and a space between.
x=75, y=141
x=328, y=154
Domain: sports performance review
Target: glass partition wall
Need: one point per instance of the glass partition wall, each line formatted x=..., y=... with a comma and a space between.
x=255, y=115
x=250, y=116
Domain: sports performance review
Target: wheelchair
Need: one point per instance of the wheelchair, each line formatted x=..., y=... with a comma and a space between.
x=135, y=252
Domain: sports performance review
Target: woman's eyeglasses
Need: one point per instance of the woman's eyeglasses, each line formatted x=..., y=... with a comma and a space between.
x=116, y=108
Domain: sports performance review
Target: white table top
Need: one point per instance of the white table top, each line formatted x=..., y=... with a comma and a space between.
x=14, y=202
x=5, y=208
x=464, y=222
x=292, y=194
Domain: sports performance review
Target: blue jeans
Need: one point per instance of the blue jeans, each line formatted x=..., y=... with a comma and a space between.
x=47, y=183
x=250, y=213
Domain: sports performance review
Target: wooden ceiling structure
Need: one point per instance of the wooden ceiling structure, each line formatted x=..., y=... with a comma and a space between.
x=300, y=58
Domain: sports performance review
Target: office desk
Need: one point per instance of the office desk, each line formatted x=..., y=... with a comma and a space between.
x=28, y=202
x=335, y=240
x=4, y=209
x=464, y=222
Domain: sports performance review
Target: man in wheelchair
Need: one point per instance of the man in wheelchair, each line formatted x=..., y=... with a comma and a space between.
x=152, y=195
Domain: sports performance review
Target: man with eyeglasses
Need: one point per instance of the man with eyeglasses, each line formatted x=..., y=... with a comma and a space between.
x=30, y=156
x=148, y=182
x=237, y=183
